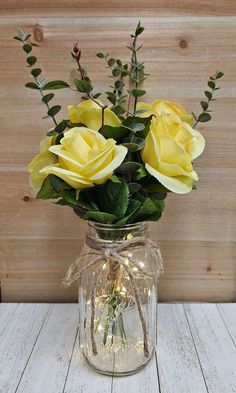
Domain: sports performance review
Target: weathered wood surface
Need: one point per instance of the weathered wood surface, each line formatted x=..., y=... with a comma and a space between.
x=184, y=42
x=195, y=352
x=215, y=347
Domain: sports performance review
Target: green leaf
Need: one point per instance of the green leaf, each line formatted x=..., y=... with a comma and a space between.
x=58, y=184
x=101, y=55
x=211, y=84
x=117, y=133
x=21, y=34
x=17, y=38
x=27, y=48
x=146, y=121
x=80, y=211
x=36, y=72
x=58, y=139
x=139, y=29
x=83, y=86
x=111, y=62
x=32, y=85
x=141, y=173
x=55, y=85
x=137, y=127
x=103, y=217
x=208, y=95
x=219, y=74
x=136, y=92
x=58, y=129
x=204, y=105
x=131, y=210
x=31, y=60
x=115, y=179
x=119, y=84
x=118, y=110
x=155, y=187
x=89, y=197
x=47, y=97
x=128, y=167
x=69, y=196
x=61, y=126
x=150, y=210
x=113, y=197
x=204, y=117
x=135, y=145
x=134, y=187
x=116, y=72
x=46, y=191
x=95, y=95
x=54, y=110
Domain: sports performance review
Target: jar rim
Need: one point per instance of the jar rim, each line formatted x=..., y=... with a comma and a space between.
x=112, y=227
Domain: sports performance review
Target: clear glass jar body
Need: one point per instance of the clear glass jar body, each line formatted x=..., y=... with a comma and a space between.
x=117, y=299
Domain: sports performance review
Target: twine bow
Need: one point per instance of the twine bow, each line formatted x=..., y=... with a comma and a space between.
x=117, y=253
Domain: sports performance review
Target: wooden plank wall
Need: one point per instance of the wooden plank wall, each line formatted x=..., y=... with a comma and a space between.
x=184, y=42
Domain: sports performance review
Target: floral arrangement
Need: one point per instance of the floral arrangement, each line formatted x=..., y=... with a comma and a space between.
x=115, y=163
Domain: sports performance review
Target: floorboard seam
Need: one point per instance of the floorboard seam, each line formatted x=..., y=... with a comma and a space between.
x=219, y=311
x=8, y=319
x=195, y=347
x=157, y=367
x=72, y=353
x=36, y=339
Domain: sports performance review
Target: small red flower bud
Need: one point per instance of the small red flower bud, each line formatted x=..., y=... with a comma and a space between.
x=77, y=51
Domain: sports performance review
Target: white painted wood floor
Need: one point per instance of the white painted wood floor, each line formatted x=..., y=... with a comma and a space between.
x=196, y=353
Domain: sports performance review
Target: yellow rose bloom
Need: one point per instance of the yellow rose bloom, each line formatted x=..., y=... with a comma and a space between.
x=44, y=158
x=157, y=107
x=85, y=158
x=170, y=147
x=90, y=114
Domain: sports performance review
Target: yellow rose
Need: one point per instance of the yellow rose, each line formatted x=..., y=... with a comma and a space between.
x=157, y=107
x=90, y=114
x=85, y=158
x=44, y=158
x=169, y=149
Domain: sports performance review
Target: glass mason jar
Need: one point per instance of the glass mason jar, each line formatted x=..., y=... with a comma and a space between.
x=118, y=298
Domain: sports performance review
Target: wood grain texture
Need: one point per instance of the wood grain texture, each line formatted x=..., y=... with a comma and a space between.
x=215, y=7
x=215, y=348
x=175, y=347
x=17, y=342
x=55, y=345
x=197, y=233
x=196, y=352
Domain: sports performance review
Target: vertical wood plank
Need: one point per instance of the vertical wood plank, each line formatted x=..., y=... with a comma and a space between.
x=82, y=379
x=48, y=365
x=16, y=343
x=214, y=345
x=179, y=368
x=228, y=313
x=145, y=381
x=6, y=313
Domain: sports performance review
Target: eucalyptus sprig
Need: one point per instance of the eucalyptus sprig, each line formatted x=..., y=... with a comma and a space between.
x=205, y=114
x=84, y=84
x=118, y=72
x=136, y=73
x=41, y=84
